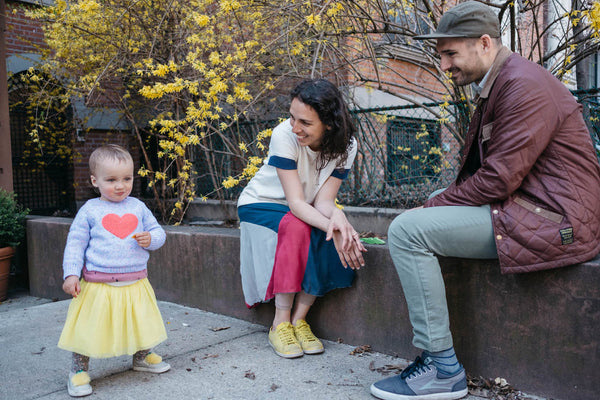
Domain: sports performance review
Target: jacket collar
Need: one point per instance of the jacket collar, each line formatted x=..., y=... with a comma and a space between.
x=501, y=57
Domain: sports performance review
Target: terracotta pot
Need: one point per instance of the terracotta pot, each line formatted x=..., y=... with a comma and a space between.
x=6, y=254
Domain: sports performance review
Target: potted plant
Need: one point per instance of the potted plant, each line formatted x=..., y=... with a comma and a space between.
x=12, y=231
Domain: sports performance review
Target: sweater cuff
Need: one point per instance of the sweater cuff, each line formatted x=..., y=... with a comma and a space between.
x=71, y=270
x=157, y=240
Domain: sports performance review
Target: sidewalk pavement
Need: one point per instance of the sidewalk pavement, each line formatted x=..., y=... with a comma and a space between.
x=211, y=356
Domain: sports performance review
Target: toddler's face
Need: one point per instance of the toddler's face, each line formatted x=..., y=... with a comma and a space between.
x=114, y=179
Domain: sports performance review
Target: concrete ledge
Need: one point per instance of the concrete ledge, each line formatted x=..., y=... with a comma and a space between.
x=364, y=219
x=539, y=330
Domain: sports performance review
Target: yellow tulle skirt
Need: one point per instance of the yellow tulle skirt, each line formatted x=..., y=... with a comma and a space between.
x=108, y=321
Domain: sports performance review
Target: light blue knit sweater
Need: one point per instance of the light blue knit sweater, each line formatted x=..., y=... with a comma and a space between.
x=101, y=237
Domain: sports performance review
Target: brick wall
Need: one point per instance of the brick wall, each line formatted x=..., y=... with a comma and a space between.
x=23, y=35
x=402, y=76
x=410, y=77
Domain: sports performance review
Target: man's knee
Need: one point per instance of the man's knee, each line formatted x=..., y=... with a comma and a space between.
x=402, y=229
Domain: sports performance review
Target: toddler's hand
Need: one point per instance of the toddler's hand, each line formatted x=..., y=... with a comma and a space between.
x=71, y=285
x=143, y=238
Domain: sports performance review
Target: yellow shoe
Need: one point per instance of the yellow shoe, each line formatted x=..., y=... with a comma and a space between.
x=78, y=384
x=152, y=363
x=284, y=342
x=309, y=342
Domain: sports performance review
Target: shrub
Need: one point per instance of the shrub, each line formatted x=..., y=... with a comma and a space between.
x=12, y=220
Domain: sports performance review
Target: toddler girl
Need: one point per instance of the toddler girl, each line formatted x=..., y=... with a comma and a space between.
x=114, y=310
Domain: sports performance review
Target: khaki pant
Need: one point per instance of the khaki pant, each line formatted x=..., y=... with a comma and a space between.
x=415, y=238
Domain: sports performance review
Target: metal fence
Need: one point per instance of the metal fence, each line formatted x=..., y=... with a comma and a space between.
x=43, y=181
x=590, y=100
x=404, y=153
x=213, y=163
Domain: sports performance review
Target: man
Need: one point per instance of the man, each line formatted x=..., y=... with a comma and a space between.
x=527, y=193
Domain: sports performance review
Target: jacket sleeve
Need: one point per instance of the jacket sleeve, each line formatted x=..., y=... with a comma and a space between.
x=525, y=118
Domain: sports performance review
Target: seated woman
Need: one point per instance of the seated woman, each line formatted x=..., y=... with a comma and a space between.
x=288, y=217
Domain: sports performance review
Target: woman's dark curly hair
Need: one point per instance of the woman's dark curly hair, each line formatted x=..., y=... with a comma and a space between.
x=331, y=108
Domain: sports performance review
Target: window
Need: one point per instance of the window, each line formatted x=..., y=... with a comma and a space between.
x=413, y=151
x=408, y=18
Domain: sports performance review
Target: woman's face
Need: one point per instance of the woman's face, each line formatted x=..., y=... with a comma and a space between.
x=306, y=125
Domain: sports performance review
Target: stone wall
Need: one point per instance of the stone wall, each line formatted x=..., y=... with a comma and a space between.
x=539, y=330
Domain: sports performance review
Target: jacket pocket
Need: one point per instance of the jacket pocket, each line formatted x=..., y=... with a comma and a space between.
x=486, y=132
x=542, y=212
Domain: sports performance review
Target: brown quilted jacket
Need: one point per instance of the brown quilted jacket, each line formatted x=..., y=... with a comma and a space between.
x=538, y=169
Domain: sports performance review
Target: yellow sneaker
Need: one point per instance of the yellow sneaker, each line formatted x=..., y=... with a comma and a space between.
x=152, y=363
x=78, y=384
x=284, y=342
x=309, y=342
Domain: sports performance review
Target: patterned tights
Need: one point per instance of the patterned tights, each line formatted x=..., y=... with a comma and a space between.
x=82, y=363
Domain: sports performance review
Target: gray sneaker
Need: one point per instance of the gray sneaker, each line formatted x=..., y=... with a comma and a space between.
x=421, y=380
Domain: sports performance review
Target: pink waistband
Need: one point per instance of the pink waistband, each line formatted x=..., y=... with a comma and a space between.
x=103, y=277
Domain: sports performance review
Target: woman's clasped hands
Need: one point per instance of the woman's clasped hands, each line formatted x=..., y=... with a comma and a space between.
x=346, y=240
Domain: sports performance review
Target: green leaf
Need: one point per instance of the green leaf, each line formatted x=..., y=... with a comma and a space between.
x=372, y=240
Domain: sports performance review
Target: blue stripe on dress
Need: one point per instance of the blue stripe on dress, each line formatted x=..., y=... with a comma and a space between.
x=282, y=163
x=340, y=173
x=264, y=214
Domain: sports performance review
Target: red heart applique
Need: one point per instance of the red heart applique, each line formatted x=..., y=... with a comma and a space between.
x=120, y=226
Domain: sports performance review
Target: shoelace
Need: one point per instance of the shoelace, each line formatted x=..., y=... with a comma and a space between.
x=302, y=331
x=416, y=368
x=287, y=336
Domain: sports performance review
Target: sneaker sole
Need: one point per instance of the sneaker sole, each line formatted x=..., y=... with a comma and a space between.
x=153, y=370
x=433, y=396
x=293, y=355
x=79, y=392
x=317, y=351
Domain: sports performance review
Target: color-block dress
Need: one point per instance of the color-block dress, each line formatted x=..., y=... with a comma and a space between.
x=280, y=253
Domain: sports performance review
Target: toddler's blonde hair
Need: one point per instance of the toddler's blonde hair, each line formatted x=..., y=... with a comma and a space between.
x=111, y=152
